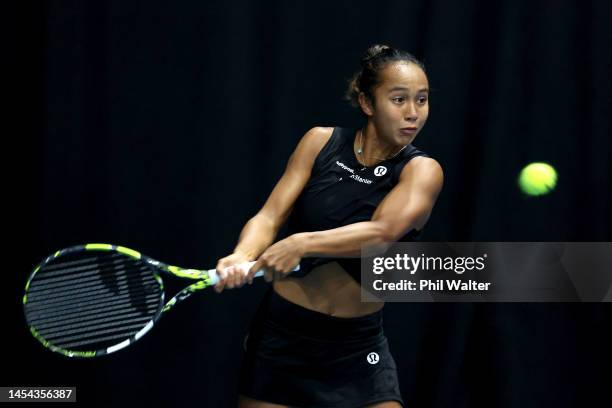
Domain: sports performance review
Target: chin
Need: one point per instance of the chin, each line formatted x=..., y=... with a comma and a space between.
x=404, y=140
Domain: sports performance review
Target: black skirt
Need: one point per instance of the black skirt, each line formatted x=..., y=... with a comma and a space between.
x=302, y=358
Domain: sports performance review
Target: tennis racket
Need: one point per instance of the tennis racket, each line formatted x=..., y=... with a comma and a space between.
x=94, y=299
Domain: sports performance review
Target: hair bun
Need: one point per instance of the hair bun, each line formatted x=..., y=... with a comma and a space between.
x=375, y=51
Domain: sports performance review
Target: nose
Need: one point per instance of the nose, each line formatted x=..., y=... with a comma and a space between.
x=411, y=112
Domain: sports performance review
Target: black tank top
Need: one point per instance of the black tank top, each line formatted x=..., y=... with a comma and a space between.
x=341, y=191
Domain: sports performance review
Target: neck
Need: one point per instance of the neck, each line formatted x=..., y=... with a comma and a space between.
x=373, y=146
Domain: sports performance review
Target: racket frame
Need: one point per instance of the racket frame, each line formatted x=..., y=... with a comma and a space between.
x=203, y=277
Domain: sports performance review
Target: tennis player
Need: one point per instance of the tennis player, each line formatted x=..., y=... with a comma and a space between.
x=313, y=343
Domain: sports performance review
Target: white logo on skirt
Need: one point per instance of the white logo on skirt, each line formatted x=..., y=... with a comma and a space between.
x=373, y=358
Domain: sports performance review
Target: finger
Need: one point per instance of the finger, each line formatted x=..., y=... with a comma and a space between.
x=247, y=275
x=231, y=277
x=243, y=273
x=254, y=269
x=228, y=277
x=219, y=287
x=221, y=274
x=219, y=268
x=268, y=274
x=238, y=276
x=239, y=273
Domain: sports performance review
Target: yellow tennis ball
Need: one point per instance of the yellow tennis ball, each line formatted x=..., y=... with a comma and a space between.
x=537, y=179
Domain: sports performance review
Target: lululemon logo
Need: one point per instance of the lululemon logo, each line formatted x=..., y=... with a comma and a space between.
x=373, y=358
x=380, y=171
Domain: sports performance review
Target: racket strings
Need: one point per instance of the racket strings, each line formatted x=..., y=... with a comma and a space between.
x=104, y=326
x=93, y=272
x=91, y=317
x=69, y=323
x=64, y=296
x=84, y=302
x=91, y=334
x=55, y=268
x=88, y=297
x=85, y=308
x=84, y=277
x=99, y=343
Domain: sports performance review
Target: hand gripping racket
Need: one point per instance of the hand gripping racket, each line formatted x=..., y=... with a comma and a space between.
x=94, y=299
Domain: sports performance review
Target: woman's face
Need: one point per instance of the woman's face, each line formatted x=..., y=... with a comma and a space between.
x=401, y=103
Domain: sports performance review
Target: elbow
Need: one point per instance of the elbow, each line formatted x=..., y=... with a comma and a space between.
x=387, y=238
x=383, y=238
x=385, y=233
x=389, y=233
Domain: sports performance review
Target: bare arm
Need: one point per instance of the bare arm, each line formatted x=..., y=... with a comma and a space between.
x=407, y=206
x=261, y=230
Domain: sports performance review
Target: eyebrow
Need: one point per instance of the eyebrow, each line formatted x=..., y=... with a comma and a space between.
x=403, y=88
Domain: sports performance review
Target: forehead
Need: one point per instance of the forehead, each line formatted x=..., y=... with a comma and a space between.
x=403, y=74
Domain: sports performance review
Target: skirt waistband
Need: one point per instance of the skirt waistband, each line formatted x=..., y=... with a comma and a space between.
x=285, y=314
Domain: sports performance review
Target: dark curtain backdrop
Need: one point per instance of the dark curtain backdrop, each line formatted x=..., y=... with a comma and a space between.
x=163, y=126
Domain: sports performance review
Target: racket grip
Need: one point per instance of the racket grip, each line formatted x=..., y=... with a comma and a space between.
x=214, y=278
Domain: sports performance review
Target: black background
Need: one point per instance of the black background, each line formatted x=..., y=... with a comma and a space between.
x=163, y=126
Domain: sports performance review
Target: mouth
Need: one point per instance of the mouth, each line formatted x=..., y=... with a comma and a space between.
x=408, y=130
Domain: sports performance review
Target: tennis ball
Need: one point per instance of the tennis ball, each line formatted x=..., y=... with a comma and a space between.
x=537, y=179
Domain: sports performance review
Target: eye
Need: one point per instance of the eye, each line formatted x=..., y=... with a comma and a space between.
x=422, y=99
x=398, y=99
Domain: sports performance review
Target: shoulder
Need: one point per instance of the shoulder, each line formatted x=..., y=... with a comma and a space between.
x=317, y=136
x=424, y=171
x=313, y=141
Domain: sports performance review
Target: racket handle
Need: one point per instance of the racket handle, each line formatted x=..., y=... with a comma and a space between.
x=214, y=278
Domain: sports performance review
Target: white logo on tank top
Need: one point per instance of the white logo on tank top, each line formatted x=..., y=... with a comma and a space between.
x=380, y=171
x=353, y=175
x=344, y=166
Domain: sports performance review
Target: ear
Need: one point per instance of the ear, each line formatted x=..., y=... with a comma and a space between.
x=366, y=105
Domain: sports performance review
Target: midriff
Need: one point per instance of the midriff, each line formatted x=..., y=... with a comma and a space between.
x=327, y=289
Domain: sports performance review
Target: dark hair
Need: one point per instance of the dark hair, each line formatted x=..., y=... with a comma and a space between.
x=375, y=59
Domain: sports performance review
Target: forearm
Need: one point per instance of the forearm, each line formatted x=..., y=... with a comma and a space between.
x=256, y=235
x=344, y=242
